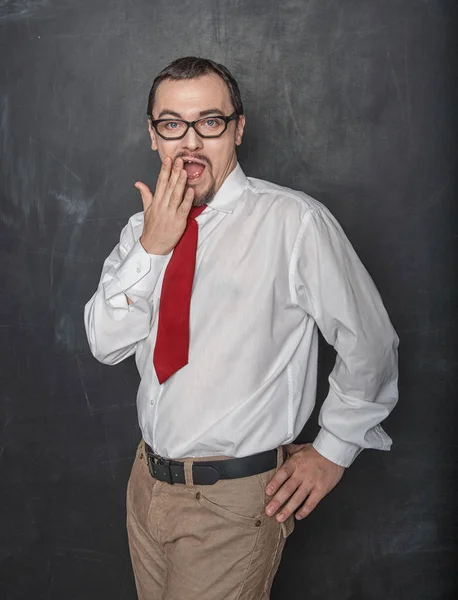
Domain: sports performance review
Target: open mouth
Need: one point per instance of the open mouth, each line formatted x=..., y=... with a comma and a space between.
x=194, y=169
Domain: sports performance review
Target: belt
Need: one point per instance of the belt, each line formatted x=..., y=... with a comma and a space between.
x=209, y=472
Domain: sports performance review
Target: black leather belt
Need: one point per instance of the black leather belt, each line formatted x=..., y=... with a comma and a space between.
x=209, y=472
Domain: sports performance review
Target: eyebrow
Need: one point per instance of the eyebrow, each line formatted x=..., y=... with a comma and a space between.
x=203, y=113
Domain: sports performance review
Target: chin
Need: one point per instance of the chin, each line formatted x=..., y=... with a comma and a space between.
x=204, y=196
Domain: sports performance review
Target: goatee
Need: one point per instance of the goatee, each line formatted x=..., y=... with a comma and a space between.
x=205, y=198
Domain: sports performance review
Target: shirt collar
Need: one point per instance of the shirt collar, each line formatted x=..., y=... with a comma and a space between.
x=231, y=190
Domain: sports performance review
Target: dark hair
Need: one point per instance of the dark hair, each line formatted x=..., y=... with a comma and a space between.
x=191, y=67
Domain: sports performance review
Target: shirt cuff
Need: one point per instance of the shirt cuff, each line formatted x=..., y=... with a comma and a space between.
x=334, y=449
x=138, y=274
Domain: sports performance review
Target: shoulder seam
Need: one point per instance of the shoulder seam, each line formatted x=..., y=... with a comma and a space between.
x=287, y=194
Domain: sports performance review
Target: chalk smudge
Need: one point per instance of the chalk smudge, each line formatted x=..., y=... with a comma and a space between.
x=20, y=9
x=73, y=207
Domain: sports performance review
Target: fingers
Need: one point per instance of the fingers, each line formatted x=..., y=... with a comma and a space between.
x=283, y=473
x=163, y=178
x=145, y=193
x=305, y=475
x=295, y=500
x=177, y=176
x=288, y=486
x=176, y=195
x=295, y=496
x=170, y=187
x=286, y=491
x=314, y=497
x=186, y=205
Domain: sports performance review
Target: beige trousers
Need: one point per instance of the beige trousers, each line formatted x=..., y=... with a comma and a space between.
x=202, y=542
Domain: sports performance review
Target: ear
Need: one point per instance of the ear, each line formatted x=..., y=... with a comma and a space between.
x=239, y=130
x=152, y=135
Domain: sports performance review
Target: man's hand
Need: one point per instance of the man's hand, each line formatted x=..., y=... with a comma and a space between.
x=165, y=213
x=304, y=474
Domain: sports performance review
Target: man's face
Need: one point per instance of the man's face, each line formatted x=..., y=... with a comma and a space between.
x=191, y=99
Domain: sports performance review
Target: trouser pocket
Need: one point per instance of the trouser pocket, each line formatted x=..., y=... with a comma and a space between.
x=240, y=500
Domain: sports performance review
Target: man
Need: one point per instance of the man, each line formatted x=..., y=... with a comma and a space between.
x=228, y=375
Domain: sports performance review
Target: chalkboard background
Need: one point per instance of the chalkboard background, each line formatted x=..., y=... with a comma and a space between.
x=352, y=102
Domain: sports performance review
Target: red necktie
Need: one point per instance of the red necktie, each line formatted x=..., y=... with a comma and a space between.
x=172, y=341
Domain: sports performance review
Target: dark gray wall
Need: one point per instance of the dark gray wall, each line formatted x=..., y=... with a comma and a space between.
x=350, y=101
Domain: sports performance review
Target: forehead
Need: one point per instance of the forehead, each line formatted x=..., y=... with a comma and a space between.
x=190, y=96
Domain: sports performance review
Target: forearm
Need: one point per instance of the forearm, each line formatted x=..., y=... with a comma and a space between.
x=120, y=313
x=362, y=393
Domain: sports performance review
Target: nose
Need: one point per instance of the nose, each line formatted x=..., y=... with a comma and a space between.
x=191, y=141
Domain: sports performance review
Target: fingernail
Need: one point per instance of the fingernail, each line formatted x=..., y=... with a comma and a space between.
x=270, y=510
x=269, y=490
x=281, y=517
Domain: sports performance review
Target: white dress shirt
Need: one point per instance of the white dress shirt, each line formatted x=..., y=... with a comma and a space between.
x=272, y=264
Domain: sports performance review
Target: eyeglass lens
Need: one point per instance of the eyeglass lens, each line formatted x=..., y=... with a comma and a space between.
x=208, y=126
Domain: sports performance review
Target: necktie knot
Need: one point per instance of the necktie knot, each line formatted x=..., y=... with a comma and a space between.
x=196, y=210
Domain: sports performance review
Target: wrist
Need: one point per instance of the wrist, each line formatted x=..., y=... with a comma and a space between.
x=154, y=249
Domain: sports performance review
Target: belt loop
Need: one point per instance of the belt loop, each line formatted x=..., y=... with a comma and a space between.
x=281, y=455
x=141, y=449
x=188, y=462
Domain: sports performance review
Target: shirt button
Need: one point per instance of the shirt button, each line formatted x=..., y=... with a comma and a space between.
x=198, y=495
x=258, y=522
x=138, y=269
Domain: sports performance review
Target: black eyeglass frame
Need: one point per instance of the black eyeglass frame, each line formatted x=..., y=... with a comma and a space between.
x=189, y=124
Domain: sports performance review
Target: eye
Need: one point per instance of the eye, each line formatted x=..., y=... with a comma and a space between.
x=212, y=123
x=172, y=125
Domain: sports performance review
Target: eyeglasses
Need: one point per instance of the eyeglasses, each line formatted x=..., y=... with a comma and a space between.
x=207, y=127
